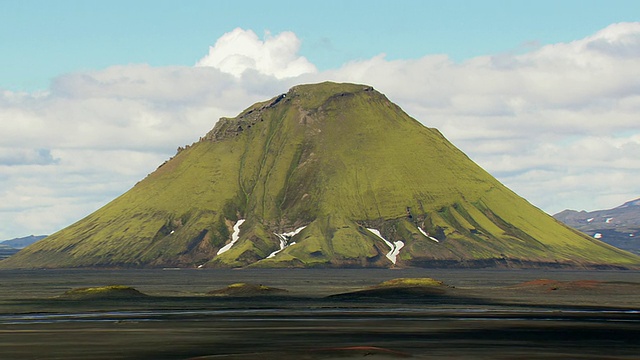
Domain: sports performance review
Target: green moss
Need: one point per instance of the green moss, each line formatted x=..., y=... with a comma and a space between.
x=247, y=290
x=406, y=282
x=237, y=285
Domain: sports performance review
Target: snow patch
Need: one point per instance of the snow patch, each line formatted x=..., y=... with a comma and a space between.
x=395, y=247
x=284, y=240
x=393, y=254
x=427, y=235
x=597, y=236
x=378, y=234
x=234, y=237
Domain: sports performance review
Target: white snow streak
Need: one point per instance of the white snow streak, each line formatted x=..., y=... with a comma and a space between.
x=395, y=247
x=284, y=240
x=234, y=237
x=427, y=235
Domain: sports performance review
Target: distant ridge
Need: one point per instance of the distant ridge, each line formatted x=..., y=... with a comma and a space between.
x=619, y=226
x=11, y=247
x=325, y=175
x=19, y=243
x=7, y=251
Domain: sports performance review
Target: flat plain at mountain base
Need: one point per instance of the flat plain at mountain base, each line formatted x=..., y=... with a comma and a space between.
x=475, y=314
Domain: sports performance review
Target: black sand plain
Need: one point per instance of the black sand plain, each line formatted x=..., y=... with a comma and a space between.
x=325, y=314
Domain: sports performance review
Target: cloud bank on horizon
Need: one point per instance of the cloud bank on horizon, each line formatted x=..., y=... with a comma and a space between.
x=558, y=124
x=240, y=50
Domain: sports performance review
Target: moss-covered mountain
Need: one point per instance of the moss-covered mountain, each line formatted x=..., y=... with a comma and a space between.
x=324, y=175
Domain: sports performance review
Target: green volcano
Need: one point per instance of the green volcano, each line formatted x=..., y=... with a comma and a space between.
x=326, y=175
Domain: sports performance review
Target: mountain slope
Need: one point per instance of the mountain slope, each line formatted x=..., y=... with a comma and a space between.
x=619, y=226
x=324, y=175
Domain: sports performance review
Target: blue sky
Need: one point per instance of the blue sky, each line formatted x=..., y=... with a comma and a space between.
x=94, y=95
x=43, y=39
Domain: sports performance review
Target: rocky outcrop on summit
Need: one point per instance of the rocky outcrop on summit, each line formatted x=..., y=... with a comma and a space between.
x=229, y=127
x=326, y=175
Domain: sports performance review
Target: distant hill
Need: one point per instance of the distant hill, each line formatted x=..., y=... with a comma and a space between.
x=6, y=251
x=10, y=247
x=619, y=226
x=23, y=242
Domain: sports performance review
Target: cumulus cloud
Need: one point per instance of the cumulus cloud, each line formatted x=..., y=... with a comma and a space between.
x=557, y=124
x=242, y=50
x=619, y=40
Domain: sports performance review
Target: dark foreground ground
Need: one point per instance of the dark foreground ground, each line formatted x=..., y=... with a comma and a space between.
x=481, y=315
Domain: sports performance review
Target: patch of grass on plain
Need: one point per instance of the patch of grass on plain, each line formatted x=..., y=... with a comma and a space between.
x=246, y=289
x=410, y=282
x=110, y=291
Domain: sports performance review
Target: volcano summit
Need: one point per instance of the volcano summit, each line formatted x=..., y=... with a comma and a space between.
x=326, y=175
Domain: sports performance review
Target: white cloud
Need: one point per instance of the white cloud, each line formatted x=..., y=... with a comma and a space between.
x=557, y=124
x=241, y=50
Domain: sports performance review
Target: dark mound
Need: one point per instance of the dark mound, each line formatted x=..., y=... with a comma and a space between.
x=402, y=289
x=549, y=285
x=245, y=290
x=553, y=285
x=104, y=292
